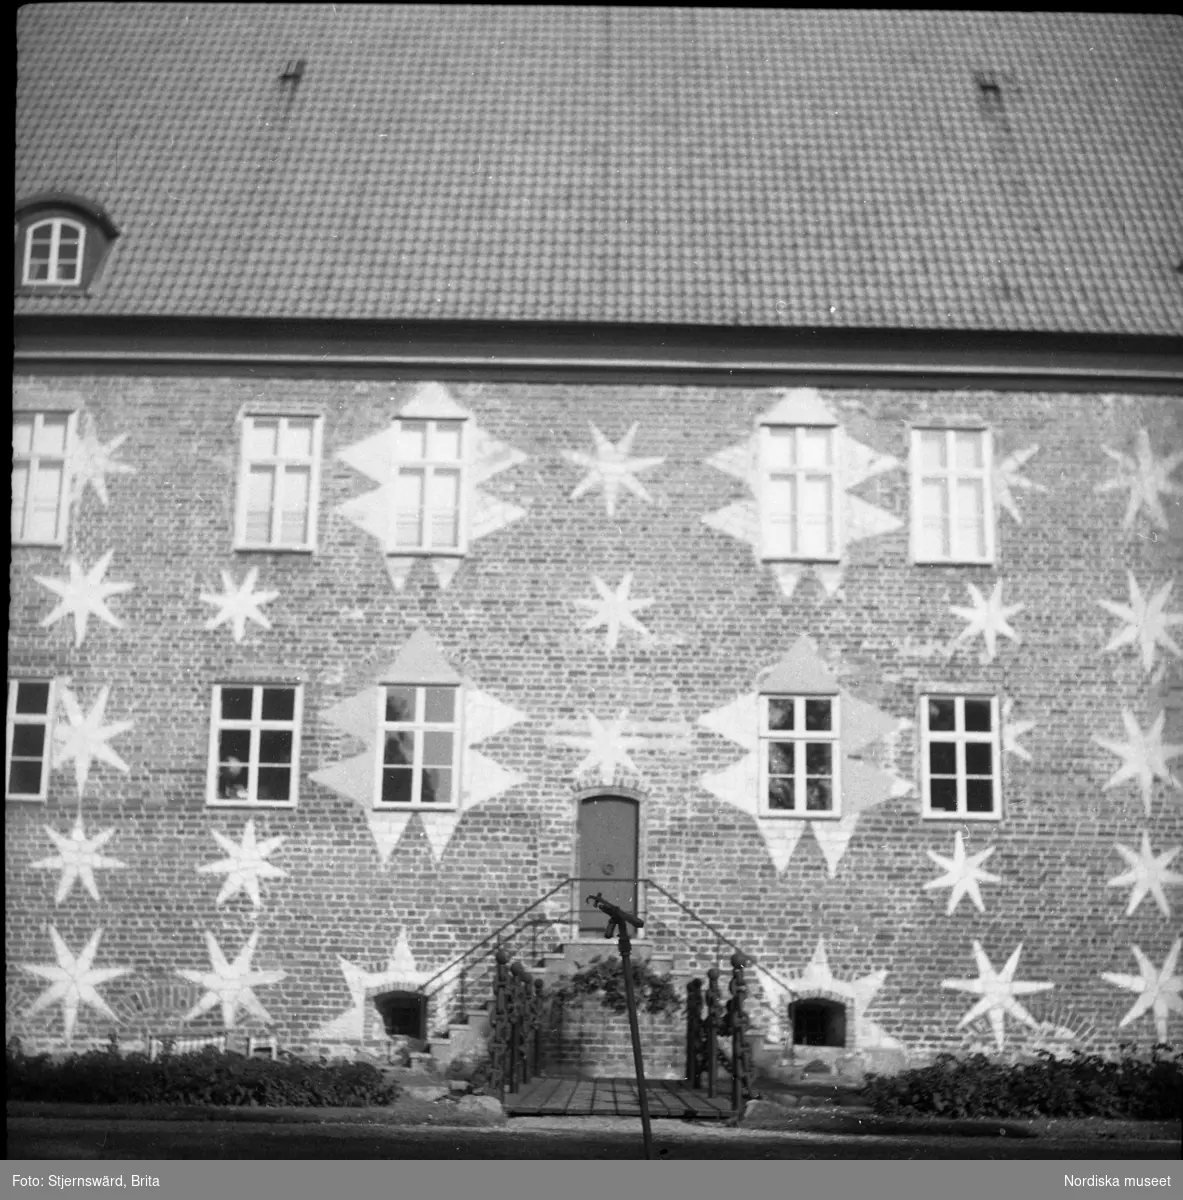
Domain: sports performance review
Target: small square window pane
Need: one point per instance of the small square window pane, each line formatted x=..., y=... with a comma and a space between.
x=942, y=715
x=977, y=716
x=979, y=758
x=400, y=704
x=780, y=447
x=275, y=783
x=437, y=786
x=32, y=697
x=295, y=438
x=780, y=793
x=819, y=795
x=51, y=437
x=816, y=447
x=446, y=442
x=781, y=758
x=942, y=758
x=943, y=795
x=24, y=778
x=233, y=782
x=780, y=712
x=932, y=449
x=412, y=441
x=279, y=704
x=979, y=795
x=968, y=450
x=38, y=271
x=262, y=437
x=22, y=435
x=817, y=714
x=437, y=749
x=28, y=741
x=818, y=758
x=275, y=746
x=444, y=490
x=237, y=703
x=396, y=785
x=400, y=749
x=439, y=704
x=234, y=745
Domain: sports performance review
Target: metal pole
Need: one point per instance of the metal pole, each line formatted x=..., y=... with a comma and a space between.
x=625, y=948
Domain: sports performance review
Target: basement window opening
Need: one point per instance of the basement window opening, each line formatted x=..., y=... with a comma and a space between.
x=819, y=1023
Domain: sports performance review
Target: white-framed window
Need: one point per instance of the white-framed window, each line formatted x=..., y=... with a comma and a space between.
x=53, y=252
x=254, y=753
x=279, y=483
x=952, y=508
x=40, y=479
x=419, y=750
x=429, y=511
x=960, y=757
x=799, y=758
x=27, y=742
x=799, y=492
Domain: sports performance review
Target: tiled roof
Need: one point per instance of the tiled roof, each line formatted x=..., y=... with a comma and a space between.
x=1014, y=171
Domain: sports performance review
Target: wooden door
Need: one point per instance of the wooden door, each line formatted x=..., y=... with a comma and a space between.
x=608, y=827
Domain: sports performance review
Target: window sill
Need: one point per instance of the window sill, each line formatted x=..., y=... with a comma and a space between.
x=250, y=804
x=954, y=562
x=245, y=549
x=40, y=545
x=413, y=553
x=802, y=559
x=952, y=816
x=780, y=814
x=26, y=799
x=416, y=808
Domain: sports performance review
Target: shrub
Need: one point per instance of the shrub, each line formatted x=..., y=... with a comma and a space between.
x=206, y=1077
x=604, y=978
x=1083, y=1085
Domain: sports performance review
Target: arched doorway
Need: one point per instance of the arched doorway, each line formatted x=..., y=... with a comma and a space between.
x=608, y=827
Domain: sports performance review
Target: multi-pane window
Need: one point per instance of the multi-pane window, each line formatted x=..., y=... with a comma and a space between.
x=952, y=517
x=959, y=746
x=53, y=252
x=26, y=766
x=799, y=502
x=40, y=481
x=799, y=756
x=420, y=745
x=429, y=487
x=254, y=744
x=279, y=483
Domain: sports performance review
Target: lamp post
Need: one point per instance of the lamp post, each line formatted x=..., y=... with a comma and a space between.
x=619, y=919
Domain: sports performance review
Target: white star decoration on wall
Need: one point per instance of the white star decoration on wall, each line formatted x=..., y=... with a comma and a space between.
x=83, y=739
x=231, y=984
x=606, y=744
x=82, y=594
x=817, y=978
x=998, y=990
x=73, y=980
x=376, y=457
x=246, y=863
x=1144, y=756
x=614, y=610
x=856, y=463
x=612, y=468
x=1146, y=623
x=401, y=973
x=77, y=858
x=481, y=779
x=989, y=618
x=963, y=873
x=1013, y=730
x=1007, y=477
x=1159, y=990
x=92, y=460
x=863, y=783
x=1147, y=479
x=1148, y=875
x=238, y=603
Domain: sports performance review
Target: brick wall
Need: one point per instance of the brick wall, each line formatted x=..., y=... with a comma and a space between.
x=508, y=623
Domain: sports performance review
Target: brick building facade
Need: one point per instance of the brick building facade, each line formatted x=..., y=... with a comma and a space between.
x=319, y=672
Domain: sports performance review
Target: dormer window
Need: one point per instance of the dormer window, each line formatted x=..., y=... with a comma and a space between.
x=53, y=252
x=61, y=242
